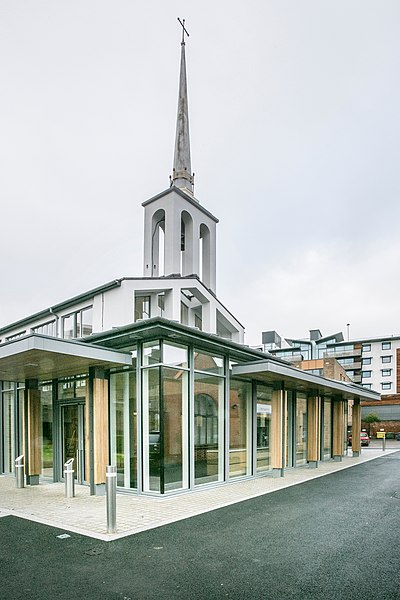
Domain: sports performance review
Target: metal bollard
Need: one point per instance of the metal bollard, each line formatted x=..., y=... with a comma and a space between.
x=111, y=498
x=19, y=471
x=384, y=443
x=69, y=479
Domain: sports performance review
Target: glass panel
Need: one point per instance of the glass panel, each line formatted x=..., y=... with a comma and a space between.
x=327, y=429
x=9, y=455
x=239, y=428
x=264, y=411
x=176, y=356
x=70, y=429
x=86, y=322
x=47, y=429
x=301, y=429
x=151, y=430
x=123, y=427
x=208, y=428
x=208, y=362
x=72, y=388
x=68, y=327
x=175, y=428
x=151, y=354
x=142, y=307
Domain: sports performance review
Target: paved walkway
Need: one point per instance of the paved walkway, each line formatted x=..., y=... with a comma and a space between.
x=86, y=514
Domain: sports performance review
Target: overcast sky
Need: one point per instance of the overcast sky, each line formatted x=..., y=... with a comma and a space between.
x=295, y=128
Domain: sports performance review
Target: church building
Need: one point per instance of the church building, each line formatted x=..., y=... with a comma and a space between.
x=150, y=374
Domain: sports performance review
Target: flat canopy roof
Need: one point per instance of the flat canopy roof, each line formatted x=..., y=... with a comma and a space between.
x=272, y=372
x=37, y=356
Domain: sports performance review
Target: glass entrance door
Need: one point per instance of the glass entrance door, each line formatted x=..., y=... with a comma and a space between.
x=72, y=438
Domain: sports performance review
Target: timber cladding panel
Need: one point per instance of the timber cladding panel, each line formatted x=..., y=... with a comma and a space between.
x=100, y=431
x=276, y=429
x=34, y=431
x=338, y=428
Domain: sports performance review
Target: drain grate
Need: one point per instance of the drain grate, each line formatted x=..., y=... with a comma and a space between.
x=95, y=551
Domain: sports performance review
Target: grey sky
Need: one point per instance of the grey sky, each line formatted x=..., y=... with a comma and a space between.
x=295, y=128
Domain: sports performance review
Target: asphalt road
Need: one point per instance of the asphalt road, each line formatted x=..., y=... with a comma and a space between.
x=334, y=537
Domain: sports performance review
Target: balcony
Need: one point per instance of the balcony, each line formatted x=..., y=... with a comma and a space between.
x=338, y=353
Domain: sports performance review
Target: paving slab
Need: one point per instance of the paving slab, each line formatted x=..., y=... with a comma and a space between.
x=86, y=515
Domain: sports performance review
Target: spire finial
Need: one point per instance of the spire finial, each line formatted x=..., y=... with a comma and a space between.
x=181, y=173
x=184, y=30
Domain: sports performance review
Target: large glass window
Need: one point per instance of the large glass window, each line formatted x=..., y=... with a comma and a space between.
x=123, y=427
x=240, y=403
x=301, y=429
x=46, y=399
x=9, y=421
x=142, y=307
x=175, y=428
x=264, y=412
x=151, y=430
x=208, y=428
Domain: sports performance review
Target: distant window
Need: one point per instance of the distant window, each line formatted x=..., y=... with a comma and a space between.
x=386, y=345
x=46, y=329
x=78, y=323
x=368, y=386
x=386, y=359
x=386, y=385
x=386, y=372
x=15, y=336
x=366, y=361
x=366, y=347
x=184, y=314
x=366, y=374
x=315, y=371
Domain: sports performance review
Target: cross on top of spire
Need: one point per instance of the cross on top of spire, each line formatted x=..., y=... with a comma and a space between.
x=184, y=30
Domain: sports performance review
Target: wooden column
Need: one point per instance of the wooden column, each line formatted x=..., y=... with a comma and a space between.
x=97, y=431
x=338, y=430
x=356, y=429
x=33, y=432
x=277, y=432
x=313, y=428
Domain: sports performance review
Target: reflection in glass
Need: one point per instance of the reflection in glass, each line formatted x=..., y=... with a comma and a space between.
x=123, y=424
x=151, y=430
x=239, y=428
x=209, y=363
x=208, y=428
x=151, y=353
x=301, y=429
x=175, y=355
x=264, y=411
x=70, y=428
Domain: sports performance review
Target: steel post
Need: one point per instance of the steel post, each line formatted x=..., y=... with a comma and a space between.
x=19, y=471
x=111, y=498
x=69, y=478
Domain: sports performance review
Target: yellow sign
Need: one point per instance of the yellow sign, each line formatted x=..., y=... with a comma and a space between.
x=380, y=435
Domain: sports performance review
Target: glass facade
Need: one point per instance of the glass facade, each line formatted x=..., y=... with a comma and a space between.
x=177, y=419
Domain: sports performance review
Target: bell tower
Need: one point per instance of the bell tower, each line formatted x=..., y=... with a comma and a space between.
x=179, y=234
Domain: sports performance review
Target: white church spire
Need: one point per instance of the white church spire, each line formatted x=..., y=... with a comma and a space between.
x=181, y=173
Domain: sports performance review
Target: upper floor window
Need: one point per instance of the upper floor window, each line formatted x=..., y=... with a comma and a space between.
x=386, y=372
x=386, y=359
x=386, y=345
x=367, y=386
x=386, y=385
x=142, y=307
x=46, y=329
x=366, y=374
x=78, y=324
x=366, y=347
x=366, y=361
